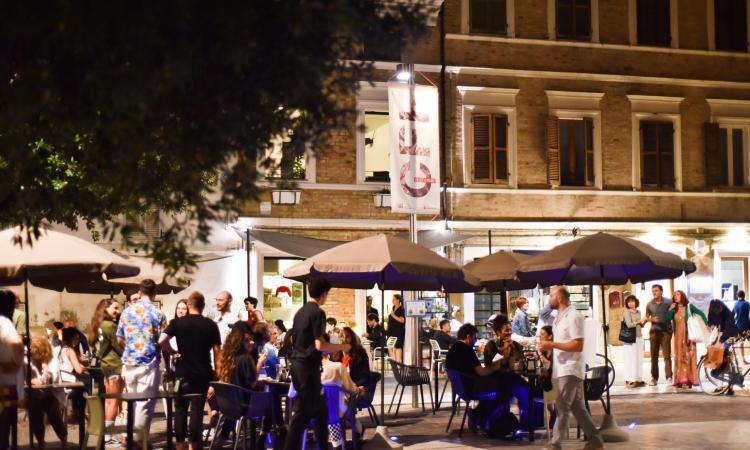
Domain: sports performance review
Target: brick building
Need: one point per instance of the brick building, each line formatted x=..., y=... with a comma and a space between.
x=562, y=117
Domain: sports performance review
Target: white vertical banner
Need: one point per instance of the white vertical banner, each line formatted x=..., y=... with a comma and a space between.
x=415, y=148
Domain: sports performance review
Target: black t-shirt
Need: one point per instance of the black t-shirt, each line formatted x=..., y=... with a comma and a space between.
x=444, y=339
x=309, y=324
x=395, y=328
x=462, y=358
x=196, y=336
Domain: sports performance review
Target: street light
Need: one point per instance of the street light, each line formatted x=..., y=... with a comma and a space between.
x=404, y=72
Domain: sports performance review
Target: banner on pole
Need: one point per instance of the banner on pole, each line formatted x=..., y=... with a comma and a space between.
x=415, y=148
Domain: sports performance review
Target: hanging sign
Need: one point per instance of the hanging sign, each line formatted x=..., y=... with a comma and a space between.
x=415, y=148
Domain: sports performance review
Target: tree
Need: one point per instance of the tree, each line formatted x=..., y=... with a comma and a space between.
x=109, y=110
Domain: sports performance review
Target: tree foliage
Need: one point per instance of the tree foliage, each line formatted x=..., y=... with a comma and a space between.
x=109, y=110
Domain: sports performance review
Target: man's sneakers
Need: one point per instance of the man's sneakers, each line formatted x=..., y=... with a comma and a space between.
x=652, y=382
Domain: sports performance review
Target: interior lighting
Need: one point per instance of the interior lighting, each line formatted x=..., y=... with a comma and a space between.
x=403, y=73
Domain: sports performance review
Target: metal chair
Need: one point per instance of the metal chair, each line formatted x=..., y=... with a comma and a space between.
x=332, y=393
x=410, y=376
x=594, y=386
x=365, y=401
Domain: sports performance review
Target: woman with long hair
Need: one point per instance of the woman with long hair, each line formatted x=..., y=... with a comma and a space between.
x=685, y=357
x=44, y=402
x=356, y=358
x=104, y=327
x=72, y=370
x=237, y=365
x=180, y=310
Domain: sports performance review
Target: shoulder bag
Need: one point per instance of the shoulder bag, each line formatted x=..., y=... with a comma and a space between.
x=696, y=329
x=627, y=335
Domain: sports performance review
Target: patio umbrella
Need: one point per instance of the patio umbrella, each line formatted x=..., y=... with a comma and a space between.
x=389, y=262
x=497, y=272
x=603, y=259
x=55, y=257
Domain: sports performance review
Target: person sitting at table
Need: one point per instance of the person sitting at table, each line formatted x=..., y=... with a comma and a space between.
x=45, y=401
x=510, y=356
x=72, y=370
x=375, y=334
x=261, y=339
x=549, y=384
x=335, y=374
x=237, y=364
x=443, y=337
x=356, y=359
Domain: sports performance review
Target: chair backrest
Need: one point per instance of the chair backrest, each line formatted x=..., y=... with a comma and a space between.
x=260, y=405
x=596, y=382
x=96, y=415
x=391, y=342
x=333, y=397
x=231, y=399
x=397, y=369
x=457, y=384
x=370, y=387
x=435, y=347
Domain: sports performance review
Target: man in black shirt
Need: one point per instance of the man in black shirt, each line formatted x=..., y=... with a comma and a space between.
x=308, y=337
x=196, y=337
x=375, y=333
x=461, y=357
x=370, y=309
x=397, y=327
x=443, y=337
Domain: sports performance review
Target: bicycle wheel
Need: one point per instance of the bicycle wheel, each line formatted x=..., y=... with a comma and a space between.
x=715, y=384
x=601, y=360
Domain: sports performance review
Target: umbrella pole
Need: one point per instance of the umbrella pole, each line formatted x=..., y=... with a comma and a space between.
x=605, y=327
x=27, y=342
x=609, y=430
x=382, y=359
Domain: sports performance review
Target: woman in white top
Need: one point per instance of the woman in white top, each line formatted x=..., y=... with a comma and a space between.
x=11, y=362
x=45, y=402
x=72, y=370
x=634, y=351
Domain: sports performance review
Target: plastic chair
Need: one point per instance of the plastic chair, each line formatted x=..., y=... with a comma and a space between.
x=377, y=352
x=410, y=376
x=241, y=405
x=365, y=401
x=95, y=423
x=332, y=393
x=460, y=393
x=594, y=386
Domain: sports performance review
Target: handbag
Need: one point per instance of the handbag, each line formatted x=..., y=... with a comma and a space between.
x=697, y=329
x=627, y=335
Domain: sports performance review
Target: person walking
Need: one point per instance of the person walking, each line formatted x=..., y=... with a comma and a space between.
x=309, y=341
x=633, y=351
x=685, y=353
x=102, y=331
x=568, y=369
x=138, y=334
x=397, y=327
x=660, y=334
x=521, y=319
x=741, y=313
x=196, y=337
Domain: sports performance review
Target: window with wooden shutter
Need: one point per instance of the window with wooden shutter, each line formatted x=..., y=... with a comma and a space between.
x=488, y=17
x=553, y=152
x=653, y=18
x=576, y=144
x=588, y=124
x=573, y=19
x=716, y=164
x=730, y=25
x=657, y=154
x=490, y=148
x=731, y=156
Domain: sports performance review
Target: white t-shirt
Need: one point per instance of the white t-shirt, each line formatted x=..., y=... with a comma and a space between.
x=7, y=330
x=568, y=325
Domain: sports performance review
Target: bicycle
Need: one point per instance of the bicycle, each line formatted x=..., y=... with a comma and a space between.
x=719, y=381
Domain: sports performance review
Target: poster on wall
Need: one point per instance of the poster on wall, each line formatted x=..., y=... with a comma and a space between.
x=415, y=148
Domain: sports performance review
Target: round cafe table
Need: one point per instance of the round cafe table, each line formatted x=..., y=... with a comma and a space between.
x=131, y=398
x=81, y=415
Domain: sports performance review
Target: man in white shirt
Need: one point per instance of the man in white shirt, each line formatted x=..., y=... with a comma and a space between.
x=225, y=317
x=568, y=367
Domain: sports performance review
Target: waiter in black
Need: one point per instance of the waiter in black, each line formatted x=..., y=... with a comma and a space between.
x=308, y=343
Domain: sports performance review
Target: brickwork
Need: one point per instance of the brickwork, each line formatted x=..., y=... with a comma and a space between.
x=531, y=19
x=693, y=27
x=613, y=22
x=340, y=305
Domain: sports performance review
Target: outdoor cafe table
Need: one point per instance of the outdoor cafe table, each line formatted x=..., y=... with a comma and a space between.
x=81, y=414
x=131, y=398
x=279, y=390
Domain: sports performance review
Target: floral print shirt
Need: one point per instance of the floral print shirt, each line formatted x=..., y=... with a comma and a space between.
x=140, y=326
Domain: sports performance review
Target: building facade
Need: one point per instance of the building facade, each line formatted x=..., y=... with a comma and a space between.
x=562, y=118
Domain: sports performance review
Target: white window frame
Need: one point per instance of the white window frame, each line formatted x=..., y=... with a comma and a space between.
x=552, y=21
x=730, y=124
x=566, y=105
x=510, y=18
x=734, y=114
x=492, y=101
x=647, y=107
x=711, y=25
x=371, y=98
x=674, y=24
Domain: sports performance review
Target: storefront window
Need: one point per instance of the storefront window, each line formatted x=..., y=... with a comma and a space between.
x=733, y=276
x=282, y=297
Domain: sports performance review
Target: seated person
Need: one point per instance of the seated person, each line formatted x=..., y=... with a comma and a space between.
x=721, y=318
x=443, y=337
x=375, y=334
x=356, y=359
x=511, y=360
x=462, y=358
x=72, y=370
x=335, y=374
x=266, y=351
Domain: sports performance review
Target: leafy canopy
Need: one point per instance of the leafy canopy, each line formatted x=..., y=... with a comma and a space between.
x=109, y=110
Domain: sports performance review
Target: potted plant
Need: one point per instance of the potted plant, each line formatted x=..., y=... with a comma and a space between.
x=382, y=198
x=285, y=192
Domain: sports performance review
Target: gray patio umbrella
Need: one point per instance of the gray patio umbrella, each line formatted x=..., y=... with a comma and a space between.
x=603, y=259
x=497, y=272
x=388, y=262
x=55, y=257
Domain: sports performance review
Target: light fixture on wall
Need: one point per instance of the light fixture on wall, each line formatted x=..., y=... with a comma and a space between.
x=404, y=72
x=700, y=247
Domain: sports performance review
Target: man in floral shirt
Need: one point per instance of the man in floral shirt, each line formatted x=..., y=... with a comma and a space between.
x=138, y=333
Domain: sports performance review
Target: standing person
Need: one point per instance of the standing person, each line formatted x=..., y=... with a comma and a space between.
x=103, y=330
x=685, y=353
x=521, y=319
x=370, y=308
x=225, y=317
x=19, y=317
x=196, y=337
x=634, y=351
x=549, y=384
x=546, y=318
x=254, y=315
x=397, y=327
x=660, y=335
x=180, y=310
x=138, y=334
x=11, y=363
x=568, y=369
x=741, y=313
x=45, y=402
x=308, y=337
x=443, y=337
